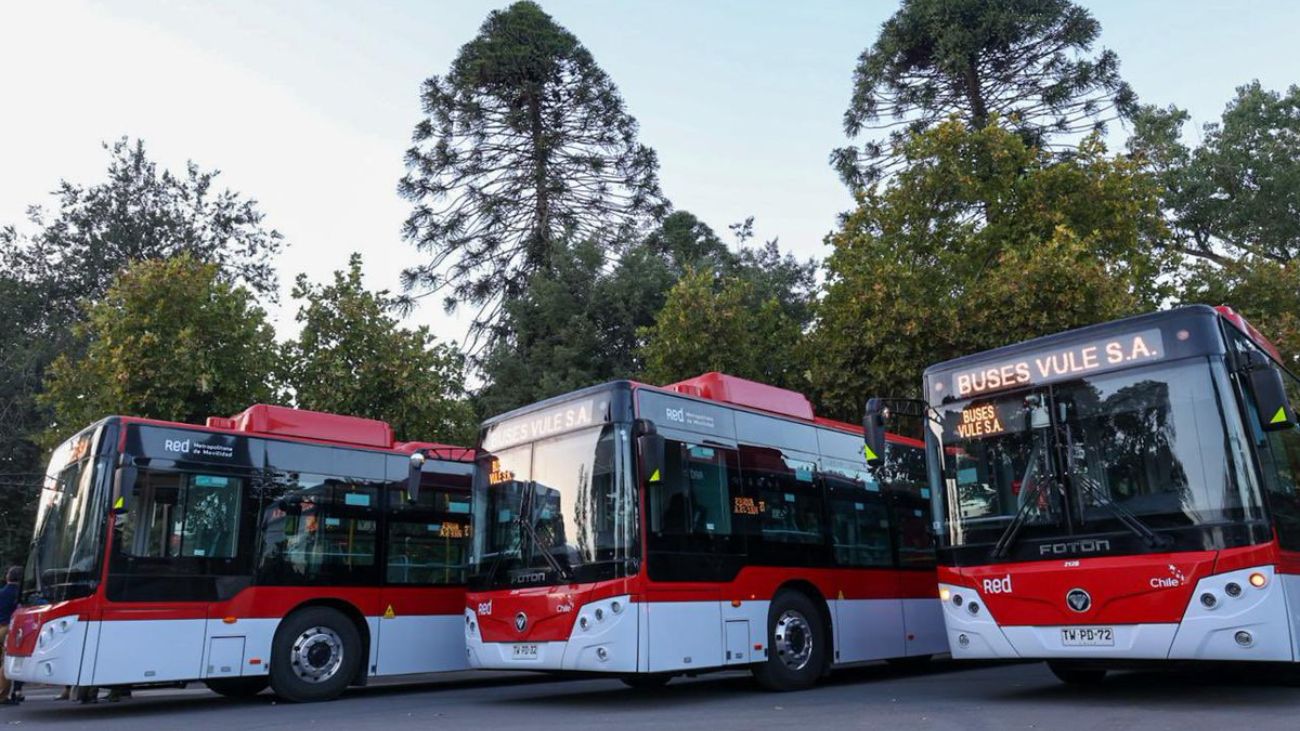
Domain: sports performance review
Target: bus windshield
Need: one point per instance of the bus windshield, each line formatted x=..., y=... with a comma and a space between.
x=1143, y=449
x=555, y=510
x=64, y=559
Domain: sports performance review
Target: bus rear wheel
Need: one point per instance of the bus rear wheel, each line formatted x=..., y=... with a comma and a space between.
x=797, y=639
x=238, y=687
x=315, y=655
x=1072, y=674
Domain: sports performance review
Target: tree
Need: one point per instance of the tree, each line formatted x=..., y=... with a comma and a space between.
x=1027, y=62
x=65, y=258
x=138, y=213
x=713, y=323
x=980, y=240
x=1231, y=204
x=352, y=357
x=171, y=339
x=526, y=144
x=1235, y=195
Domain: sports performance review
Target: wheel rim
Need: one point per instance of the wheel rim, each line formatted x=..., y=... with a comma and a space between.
x=794, y=640
x=317, y=654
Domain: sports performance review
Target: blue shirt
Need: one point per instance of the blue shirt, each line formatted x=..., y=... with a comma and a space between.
x=8, y=602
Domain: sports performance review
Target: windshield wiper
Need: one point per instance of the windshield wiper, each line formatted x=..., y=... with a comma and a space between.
x=526, y=522
x=1126, y=518
x=1029, y=500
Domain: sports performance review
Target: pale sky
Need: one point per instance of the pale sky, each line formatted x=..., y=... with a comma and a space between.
x=308, y=107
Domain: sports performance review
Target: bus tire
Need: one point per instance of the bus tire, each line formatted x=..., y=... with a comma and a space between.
x=797, y=642
x=1072, y=674
x=238, y=687
x=315, y=655
x=646, y=681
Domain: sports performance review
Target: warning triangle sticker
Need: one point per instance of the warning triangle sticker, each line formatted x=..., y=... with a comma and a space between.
x=868, y=453
x=1280, y=416
x=389, y=613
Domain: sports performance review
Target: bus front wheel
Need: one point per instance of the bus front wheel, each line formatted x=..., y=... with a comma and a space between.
x=238, y=687
x=1072, y=674
x=315, y=655
x=797, y=641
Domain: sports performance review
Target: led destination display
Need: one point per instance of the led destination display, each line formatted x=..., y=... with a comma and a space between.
x=1060, y=363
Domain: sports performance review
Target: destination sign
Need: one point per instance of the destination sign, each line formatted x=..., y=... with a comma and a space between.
x=1054, y=365
x=547, y=422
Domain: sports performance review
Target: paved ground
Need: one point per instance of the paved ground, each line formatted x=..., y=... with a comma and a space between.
x=947, y=696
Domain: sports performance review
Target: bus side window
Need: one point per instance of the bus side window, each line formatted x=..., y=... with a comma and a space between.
x=693, y=497
x=427, y=542
x=859, y=516
x=319, y=529
x=786, y=495
x=182, y=515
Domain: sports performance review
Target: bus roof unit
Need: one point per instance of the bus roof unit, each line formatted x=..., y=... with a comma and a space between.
x=716, y=386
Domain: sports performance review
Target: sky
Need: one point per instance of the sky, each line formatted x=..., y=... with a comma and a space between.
x=308, y=107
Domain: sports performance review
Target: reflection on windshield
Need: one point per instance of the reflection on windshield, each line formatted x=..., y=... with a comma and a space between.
x=1147, y=442
x=562, y=507
x=64, y=559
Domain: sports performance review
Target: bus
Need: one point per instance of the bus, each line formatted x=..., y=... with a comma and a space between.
x=716, y=523
x=1118, y=495
x=300, y=550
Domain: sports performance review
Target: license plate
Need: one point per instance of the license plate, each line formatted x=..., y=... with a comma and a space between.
x=524, y=652
x=1088, y=636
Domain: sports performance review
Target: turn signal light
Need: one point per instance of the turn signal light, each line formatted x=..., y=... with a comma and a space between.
x=1258, y=580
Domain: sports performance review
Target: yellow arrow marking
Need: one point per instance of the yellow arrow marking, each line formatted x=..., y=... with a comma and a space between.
x=1280, y=416
x=655, y=477
x=866, y=452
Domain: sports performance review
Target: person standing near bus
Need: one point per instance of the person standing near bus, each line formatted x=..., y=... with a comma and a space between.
x=8, y=604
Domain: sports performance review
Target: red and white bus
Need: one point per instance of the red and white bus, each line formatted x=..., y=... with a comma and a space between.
x=295, y=549
x=1120, y=494
x=715, y=523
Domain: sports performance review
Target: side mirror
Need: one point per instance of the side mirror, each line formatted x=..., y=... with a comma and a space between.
x=1275, y=410
x=650, y=452
x=123, y=482
x=873, y=432
x=413, y=477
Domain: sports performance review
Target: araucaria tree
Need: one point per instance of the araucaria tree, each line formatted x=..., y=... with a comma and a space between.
x=1028, y=62
x=526, y=144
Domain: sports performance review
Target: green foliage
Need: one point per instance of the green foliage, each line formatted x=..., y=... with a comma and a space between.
x=712, y=323
x=1231, y=202
x=1235, y=195
x=171, y=339
x=1026, y=61
x=980, y=241
x=353, y=358
x=525, y=145
x=138, y=213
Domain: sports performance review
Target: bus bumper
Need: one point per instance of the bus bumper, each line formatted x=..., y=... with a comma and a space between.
x=602, y=640
x=56, y=658
x=1253, y=626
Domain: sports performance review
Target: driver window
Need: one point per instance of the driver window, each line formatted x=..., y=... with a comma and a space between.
x=182, y=515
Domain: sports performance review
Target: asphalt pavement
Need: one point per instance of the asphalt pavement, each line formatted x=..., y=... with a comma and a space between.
x=947, y=695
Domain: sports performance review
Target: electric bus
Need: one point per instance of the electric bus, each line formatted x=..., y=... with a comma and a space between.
x=301, y=550
x=1118, y=495
x=647, y=532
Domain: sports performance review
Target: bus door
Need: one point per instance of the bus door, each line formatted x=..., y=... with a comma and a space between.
x=868, y=612
x=421, y=628
x=181, y=542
